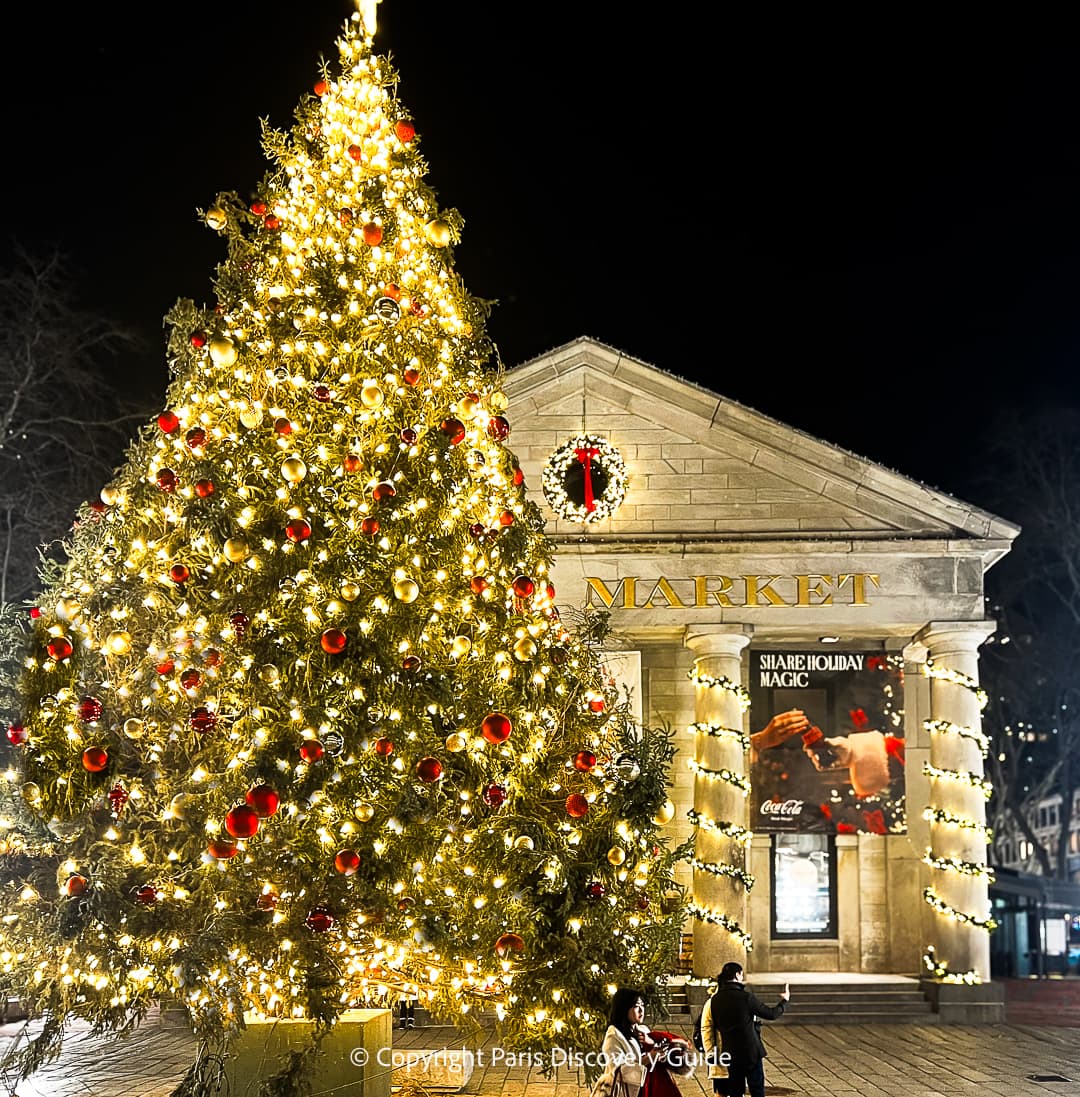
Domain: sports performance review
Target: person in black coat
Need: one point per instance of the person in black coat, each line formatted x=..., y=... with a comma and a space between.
x=731, y=1036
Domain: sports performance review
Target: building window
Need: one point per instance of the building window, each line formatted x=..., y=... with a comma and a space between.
x=803, y=885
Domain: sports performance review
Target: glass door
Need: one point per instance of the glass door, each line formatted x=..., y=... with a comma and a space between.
x=803, y=886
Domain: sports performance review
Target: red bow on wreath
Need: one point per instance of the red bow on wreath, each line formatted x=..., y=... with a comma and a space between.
x=585, y=455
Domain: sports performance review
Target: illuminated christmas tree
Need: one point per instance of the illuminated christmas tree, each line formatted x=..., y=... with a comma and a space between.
x=301, y=714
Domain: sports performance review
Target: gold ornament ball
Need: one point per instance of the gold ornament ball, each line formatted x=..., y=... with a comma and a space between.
x=406, y=590
x=467, y=406
x=110, y=495
x=235, y=549
x=525, y=649
x=178, y=804
x=293, y=469
x=349, y=591
x=133, y=727
x=216, y=218
x=664, y=813
x=438, y=233
x=269, y=673
x=31, y=793
x=460, y=646
x=498, y=401
x=119, y=643
x=523, y=841
x=363, y=812
x=223, y=352
x=616, y=855
x=371, y=396
x=250, y=417
x=456, y=742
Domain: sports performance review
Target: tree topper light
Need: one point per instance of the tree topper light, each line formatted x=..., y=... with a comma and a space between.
x=585, y=479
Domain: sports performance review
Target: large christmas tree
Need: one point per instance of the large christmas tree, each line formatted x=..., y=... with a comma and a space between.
x=300, y=713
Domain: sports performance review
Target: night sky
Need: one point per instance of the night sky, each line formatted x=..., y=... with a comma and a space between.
x=870, y=231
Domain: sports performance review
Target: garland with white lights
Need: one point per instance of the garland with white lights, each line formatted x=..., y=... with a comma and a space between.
x=732, y=778
x=604, y=479
x=718, y=731
x=714, y=918
x=961, y=777
x=730, y=871
x=973, y=780
x=940, y=970
x=965, y=868
x=728, y=829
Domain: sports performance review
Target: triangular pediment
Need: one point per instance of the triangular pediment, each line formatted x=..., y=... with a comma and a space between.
x=704, y=467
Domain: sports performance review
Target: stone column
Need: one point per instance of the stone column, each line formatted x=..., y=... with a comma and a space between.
x=955, y=793
x=718, y=801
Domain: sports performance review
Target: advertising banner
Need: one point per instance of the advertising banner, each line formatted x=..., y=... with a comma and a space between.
x=827, y=746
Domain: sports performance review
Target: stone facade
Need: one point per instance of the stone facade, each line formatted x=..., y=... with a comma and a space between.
x=739, y=534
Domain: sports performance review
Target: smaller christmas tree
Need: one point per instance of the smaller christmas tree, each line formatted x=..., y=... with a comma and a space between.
x=301, y=715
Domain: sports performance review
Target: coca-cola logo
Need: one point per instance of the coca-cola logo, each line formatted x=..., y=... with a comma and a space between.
x=782, y=807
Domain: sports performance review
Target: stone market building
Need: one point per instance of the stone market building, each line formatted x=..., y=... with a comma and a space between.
x=752, y=569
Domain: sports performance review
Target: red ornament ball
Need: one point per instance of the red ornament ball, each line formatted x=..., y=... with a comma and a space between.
x=76, y=885
x=147, y=895
x=355, y=151
x=352, y=462
x=118, y=796
x=523, y=586
x=204, y=488
x=404, y=130
x=478, y=584
x=333, y=641
x=258, y=207
x=321, y=87
x=498, y=427
x=454, y=429
x=384, y=747
x=202, y=720
x=584, y=761
x=17, y=735
x=221, y=849
x=212, y=657
x=372, y=233
x=411, y=663
x=508, y=943
x=165, y=667
x=191, y=679
x=321, y=393
x=577, y=807
x=272, y=222
x=242, y=821
x=267, y=900
x=168, y=421
x=263, y=800
x=519, y=477
x=393, y=291
x=496, y=727
x=596, y=704
x=95, y=759
x=178, y=573
x=429, y=770
x=198, y=340
x=412, y=376
x=477, y=530
x=311, y=750
x=642, y=902
x=195, y=438
x=595, y=890
x=240, y=623
x=347, y=861
x=409, y=436
x=59, y=648
x=369, y=526
x=298, y=530
x=283, y=426
x=506, y=518
x=90, y=710
x=166, y=480
x=494, y=796
x=320, y=920
x=345, y=216
x=382, y=491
